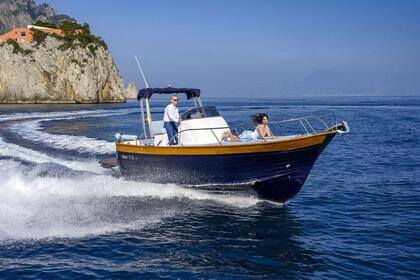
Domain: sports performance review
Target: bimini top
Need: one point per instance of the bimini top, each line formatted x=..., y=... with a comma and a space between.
x=148, y=92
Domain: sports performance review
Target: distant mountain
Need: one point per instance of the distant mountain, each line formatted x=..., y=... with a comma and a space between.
x=19, y=13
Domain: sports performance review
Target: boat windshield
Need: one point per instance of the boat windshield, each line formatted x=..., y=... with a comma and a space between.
x=200, y=112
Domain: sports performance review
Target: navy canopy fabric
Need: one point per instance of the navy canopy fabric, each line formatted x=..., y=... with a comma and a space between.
x=148, y=92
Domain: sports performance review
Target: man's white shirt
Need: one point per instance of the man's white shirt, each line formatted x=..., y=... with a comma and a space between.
x=171, y=114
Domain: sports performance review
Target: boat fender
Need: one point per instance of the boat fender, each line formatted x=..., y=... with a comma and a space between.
x=119, y=136
x=343, y=128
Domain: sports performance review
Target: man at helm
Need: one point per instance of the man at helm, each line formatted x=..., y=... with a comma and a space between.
x=171, y=120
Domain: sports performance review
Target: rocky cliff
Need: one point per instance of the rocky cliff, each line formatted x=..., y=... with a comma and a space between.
x=73, y=68
x=48, y=74
x=131, y=91
x=19, y=13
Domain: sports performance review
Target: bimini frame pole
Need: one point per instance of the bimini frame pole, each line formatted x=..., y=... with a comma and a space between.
x=201, y=105
x=149, y=119
x=199, y=101
x=195, y=102
x=149, y=115
x=143, y=123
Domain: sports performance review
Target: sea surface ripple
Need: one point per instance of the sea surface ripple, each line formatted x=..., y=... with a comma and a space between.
x=63, y=216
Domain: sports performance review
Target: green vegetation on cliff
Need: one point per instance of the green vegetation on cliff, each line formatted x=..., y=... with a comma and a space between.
x=38, y=36
x=80, y=35
x=74, y=35
x=45, y=24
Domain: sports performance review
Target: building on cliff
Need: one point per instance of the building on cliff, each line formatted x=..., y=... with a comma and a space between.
x=24, y=35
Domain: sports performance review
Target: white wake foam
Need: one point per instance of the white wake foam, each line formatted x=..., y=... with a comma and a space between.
x=42, y=207
x=22, y=153
x=34, y=206
x=58, y=114
x=32, y=131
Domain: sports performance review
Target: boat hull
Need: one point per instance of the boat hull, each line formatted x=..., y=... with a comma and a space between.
x=277, y=171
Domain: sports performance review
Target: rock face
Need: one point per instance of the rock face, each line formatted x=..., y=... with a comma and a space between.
x=19, y=13
x=47, y=74
x=131, y=91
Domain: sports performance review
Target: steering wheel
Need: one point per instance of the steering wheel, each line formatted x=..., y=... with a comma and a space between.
x=187, y=114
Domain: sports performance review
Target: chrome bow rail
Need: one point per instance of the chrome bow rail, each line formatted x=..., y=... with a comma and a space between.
x=307, y=123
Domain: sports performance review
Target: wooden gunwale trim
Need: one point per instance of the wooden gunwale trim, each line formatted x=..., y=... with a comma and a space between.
x=270, y=146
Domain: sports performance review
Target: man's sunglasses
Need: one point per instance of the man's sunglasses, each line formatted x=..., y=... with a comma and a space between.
x=174, y=99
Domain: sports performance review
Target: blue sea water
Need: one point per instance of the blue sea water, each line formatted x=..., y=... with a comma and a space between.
x=62, y=216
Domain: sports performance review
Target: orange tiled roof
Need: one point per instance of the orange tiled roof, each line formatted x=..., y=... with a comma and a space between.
x=24, y=35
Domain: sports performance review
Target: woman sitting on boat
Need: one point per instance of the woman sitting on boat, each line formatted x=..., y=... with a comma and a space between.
x=262, y=131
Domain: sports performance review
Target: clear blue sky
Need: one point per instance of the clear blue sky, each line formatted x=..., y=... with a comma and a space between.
x=270, y=48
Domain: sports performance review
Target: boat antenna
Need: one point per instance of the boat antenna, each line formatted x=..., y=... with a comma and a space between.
x=141, y=71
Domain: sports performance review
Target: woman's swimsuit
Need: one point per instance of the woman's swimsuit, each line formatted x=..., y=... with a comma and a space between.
x=253, y=135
